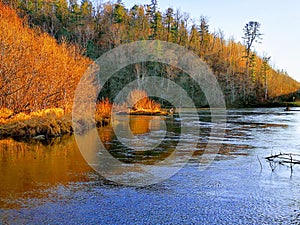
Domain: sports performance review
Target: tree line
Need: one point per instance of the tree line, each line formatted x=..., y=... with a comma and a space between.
x=94, y=27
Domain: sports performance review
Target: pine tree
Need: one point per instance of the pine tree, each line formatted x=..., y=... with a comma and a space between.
x=204, y=35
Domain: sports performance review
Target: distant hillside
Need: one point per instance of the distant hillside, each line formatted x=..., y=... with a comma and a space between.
x=245, y=78
x=35, y=71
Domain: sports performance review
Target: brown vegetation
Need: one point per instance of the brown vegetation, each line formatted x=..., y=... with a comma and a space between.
x=36, y=72
x=38, y=79
x=100, y=26
x=103, y=112
x=42, y=124
x=142, y=104
x=47, y=123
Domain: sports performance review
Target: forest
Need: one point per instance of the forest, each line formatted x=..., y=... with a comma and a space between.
x=46, y=45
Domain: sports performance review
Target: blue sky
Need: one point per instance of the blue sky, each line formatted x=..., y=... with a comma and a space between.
x=280, y=24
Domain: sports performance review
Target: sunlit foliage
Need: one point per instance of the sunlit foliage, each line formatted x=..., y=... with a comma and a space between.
x=140, y=102
x=98, y=26
x=35, y=72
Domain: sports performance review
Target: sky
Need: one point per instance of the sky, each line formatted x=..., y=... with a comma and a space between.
x=279, y=19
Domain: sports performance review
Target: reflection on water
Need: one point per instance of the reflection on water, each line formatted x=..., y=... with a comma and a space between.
x=142, y=139
x=235, y=189
x=28, y=168
x=145, y=124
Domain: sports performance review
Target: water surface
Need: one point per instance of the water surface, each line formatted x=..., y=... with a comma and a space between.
x=51, y=183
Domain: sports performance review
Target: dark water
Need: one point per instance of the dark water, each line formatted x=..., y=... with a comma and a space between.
x=51, y=182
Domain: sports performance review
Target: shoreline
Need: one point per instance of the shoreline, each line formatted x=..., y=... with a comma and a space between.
x=41, y=125
x=36, y=127
x=53, y=123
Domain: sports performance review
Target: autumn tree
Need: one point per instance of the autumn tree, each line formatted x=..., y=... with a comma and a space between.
x=36, y=72
x=95, y=27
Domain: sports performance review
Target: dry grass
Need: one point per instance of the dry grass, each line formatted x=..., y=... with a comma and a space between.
x=53, y=122
x=53, y=112
x=142, y=103
x=121, y=108
x=5, y=113
x=103, y=112
x=49, y=123
x=147, y=105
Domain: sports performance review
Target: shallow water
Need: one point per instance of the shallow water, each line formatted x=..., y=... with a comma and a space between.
x=51, y=182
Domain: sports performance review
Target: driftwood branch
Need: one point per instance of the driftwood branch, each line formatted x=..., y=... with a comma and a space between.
x=289, y=159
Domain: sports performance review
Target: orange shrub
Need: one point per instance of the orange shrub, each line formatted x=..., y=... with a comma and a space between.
x=141, y=102
x=36, y=72
x=103, y=109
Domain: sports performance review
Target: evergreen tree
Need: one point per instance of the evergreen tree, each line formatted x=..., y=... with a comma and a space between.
x=251, y=35
x=265, y=68
x=204, y=35
x=169, y=19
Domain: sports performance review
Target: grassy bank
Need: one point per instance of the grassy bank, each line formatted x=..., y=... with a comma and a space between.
x=43, y=124
x=54, y=122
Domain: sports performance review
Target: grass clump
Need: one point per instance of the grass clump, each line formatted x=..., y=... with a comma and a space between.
x=142, y=104
x=46, y=123
x=103, y=112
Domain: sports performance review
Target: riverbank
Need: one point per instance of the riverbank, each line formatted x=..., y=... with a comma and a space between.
x=269, y=104
x=43, y=124
x=51, y=123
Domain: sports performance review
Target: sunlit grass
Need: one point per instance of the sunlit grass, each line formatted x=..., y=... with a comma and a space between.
x=103, y=112
x=8, y=116
x=142, y=103
x=54, y=122
x=5, y=113
x=47, y=123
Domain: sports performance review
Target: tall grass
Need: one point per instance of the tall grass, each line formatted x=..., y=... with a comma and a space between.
x=142, y=103
x=47, y=123
x=54, y=122
x=103, y=112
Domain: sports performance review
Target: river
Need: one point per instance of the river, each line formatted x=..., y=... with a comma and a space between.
x=49, y=182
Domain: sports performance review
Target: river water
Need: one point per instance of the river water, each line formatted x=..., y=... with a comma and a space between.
x=50, y=182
